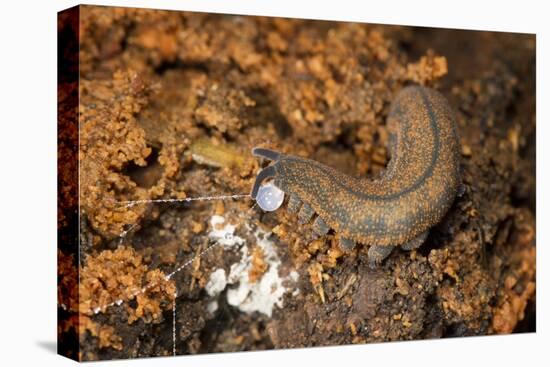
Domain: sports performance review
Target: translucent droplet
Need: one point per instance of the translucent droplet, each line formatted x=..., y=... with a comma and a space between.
x=270, y=197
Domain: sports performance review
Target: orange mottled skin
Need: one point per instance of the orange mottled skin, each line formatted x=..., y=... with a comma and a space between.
x=412, y=195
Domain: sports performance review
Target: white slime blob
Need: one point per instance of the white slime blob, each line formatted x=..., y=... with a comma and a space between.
x=270, y=197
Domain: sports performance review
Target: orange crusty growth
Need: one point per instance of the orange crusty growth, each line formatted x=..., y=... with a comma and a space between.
x=122, y=275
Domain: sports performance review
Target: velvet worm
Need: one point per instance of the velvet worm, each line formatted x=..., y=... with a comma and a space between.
x=399, y=207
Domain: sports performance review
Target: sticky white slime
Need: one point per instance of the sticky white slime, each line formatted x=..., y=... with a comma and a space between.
x=248, y=297
x=270, y=197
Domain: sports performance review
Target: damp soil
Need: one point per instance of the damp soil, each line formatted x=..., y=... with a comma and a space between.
x=171, y=104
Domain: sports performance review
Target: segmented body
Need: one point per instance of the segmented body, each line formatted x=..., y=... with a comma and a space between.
x=414, y=193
